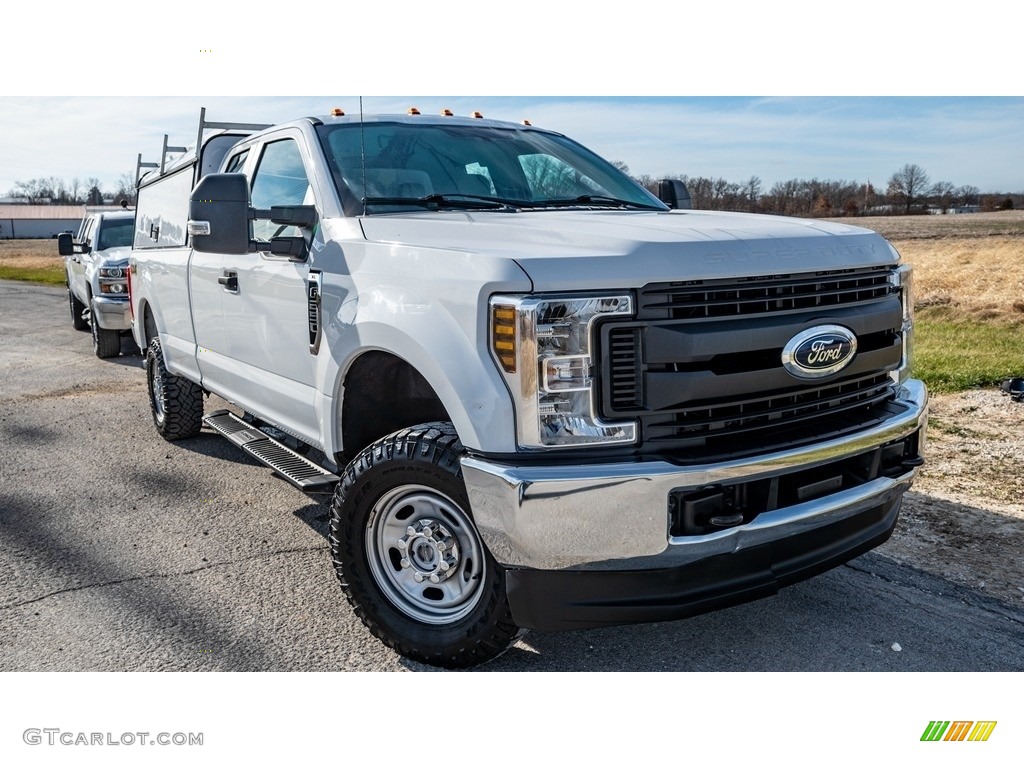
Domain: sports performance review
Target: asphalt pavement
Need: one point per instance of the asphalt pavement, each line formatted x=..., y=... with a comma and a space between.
x=121, y=551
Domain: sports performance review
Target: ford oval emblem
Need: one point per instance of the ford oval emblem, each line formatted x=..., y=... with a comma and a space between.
x=819, y=351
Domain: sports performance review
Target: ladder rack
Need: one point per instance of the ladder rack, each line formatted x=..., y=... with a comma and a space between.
x=204, y=125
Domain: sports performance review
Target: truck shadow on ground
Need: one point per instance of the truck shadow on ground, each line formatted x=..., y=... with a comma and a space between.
x=870, y=615
x=135, y=619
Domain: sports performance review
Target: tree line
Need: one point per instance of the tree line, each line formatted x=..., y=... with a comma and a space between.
x=52, y=190
x=909, y=191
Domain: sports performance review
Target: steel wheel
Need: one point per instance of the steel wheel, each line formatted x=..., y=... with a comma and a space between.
x=408, y=555
x=425, y=554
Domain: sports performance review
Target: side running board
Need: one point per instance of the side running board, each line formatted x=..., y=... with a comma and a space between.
x=296, y=469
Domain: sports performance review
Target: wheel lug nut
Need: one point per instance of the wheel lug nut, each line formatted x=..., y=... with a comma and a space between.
x=418, y=577
x=434, y=579
x=404, y=563
x=403, y=544
x=411, y=531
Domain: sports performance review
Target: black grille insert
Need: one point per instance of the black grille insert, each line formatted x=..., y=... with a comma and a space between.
x=789, y=410
x=703, y=299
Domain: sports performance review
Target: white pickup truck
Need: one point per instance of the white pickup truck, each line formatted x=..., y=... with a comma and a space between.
x=543, y=397
x=96, y=267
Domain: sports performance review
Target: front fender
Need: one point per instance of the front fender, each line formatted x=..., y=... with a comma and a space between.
x=429, y=308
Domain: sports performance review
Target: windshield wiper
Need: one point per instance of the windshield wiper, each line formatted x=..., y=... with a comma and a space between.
x=456, y=200
x=591, y=200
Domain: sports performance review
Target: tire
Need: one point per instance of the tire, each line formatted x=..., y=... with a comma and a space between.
x=177, y=403
x=105, y=343
x=77, y=310
x=409, y=557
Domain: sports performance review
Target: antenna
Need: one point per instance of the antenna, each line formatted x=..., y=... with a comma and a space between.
x=362, y=151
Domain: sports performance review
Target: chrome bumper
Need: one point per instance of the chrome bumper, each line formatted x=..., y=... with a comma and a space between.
x=112, y=314
x=613, y=516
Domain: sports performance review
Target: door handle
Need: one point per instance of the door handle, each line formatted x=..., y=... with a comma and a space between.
x=230, y=281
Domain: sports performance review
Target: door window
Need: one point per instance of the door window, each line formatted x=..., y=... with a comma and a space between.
x=280, y=179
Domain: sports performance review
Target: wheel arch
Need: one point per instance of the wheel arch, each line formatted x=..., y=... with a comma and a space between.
x=382, y=394
x=454, y=383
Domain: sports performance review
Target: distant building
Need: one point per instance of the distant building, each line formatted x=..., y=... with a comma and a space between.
x=955, y=209
x=23, y=222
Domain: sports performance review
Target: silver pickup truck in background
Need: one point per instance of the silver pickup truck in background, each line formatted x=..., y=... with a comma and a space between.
x=542, y=397
x=96, y=263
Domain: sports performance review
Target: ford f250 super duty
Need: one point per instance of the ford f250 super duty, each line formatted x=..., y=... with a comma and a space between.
x=542, y=397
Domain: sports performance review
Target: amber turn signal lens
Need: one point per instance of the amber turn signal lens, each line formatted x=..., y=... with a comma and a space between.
x=503, y=336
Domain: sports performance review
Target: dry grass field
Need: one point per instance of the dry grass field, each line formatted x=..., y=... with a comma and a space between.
x=970, y=264
x=32, y=260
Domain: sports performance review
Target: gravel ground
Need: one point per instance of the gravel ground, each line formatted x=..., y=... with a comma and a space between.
x=964, y=520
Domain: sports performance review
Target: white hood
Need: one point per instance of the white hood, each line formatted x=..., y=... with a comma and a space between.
x=113, y=256
x=573, y=250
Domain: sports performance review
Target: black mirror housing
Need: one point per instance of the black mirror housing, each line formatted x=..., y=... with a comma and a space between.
x=674, y=194
x=218, y=213
x=65, y=244
x=294, y=248
x=294, y=215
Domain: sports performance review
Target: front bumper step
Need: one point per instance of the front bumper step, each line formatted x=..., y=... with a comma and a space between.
x=296, y=469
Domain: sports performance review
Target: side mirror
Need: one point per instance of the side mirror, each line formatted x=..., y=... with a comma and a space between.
x=674, y=194
x=218, y=214
x=65, y=245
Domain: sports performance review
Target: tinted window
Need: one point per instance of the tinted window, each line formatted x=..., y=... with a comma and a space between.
x=516, y=165
x=115, y=234
x=280, y=180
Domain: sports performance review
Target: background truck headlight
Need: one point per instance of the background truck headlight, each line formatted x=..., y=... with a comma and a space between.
x=542, y=345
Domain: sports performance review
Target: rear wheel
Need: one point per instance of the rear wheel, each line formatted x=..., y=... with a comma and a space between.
x=408, y=554
x=177, y=403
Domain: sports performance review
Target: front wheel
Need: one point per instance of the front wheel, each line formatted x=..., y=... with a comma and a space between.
x=408, y=554
x=105, y=343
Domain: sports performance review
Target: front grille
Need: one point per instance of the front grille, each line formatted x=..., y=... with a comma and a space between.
x=824, y=409
x=737, y=297
x=700, y=367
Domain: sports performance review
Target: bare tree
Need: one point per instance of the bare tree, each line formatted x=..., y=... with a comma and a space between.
x=752, y=191
x=943, y=192
x=95, y=195
x=125, y=189
x=968, y=194
x=908, y=185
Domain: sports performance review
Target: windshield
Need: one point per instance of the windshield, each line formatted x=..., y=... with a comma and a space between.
x=116, y=234
x=412, y=167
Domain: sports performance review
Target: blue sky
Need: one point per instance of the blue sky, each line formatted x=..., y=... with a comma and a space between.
x=791, y=89
x=963, y=140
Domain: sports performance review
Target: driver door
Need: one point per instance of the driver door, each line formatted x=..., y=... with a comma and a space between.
x=265, y=316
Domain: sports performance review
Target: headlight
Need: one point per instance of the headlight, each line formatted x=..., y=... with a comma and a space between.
x=113, y=281
x=903, y=278
x=542, y=345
